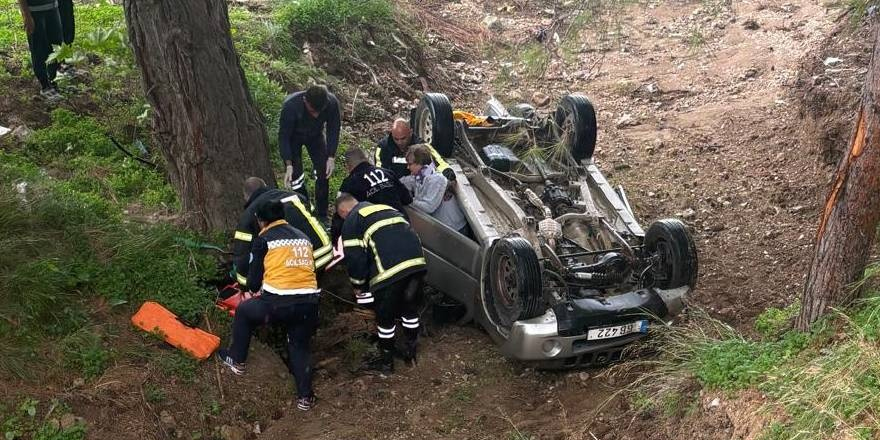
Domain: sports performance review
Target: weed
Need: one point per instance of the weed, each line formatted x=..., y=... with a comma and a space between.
x=695, y=40
x=356, y=350
x=534, y=59
x=179, y=365
x=464, y=393
x=153, y=393
x=84, y=351
x=774, y=321
x=333, y=18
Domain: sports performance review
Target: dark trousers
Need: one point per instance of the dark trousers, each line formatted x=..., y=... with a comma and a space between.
x=400, y=299
x=317, y=149
x=47, y=31
x=68, y=27
x=298, y=315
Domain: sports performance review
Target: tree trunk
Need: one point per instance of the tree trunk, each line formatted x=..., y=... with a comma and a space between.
x=849, y=221
x=204, y=120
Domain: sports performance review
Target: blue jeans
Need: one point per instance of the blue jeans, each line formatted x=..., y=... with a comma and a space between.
x=299, y=315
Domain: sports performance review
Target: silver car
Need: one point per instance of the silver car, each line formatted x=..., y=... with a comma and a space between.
x=559, y=272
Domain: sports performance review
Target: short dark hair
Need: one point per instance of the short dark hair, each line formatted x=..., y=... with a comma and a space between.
x=270, y=210
x=318, y=96
x=419, y=154
x=252, y=184
x=354, y=156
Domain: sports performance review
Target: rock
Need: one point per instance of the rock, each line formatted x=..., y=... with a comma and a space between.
x=584, y=376
x=687, y=214
x=69, y=421
x=515, y=96
x=832, y=61
x=232, y=433
x=540, y=99
x=493, y=23
x=22, y=133
x=796, y=209
x=750, y=73
x=715, y=403
x=625, y=121
x=751, y=24
x=4, y=130
x=167, y=420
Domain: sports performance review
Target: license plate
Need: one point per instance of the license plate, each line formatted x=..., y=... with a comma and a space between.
x=617, y=330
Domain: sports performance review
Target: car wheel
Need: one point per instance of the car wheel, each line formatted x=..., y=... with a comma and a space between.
x=674, y=253
x=514, y=282
x=433, y=123
x=576, y=118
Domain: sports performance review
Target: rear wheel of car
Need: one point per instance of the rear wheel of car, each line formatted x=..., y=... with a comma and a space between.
x=514, y=282
x=433, y=123
x=576, y=118
x=674, y=252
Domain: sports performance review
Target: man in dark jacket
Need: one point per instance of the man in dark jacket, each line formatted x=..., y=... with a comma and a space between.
x=368, y=183
x=391, y=152
x=304, y=117
x=283, y=271
x=295, y=212
x=386, y=265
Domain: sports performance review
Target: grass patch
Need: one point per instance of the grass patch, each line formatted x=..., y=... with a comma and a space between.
x=27, y=420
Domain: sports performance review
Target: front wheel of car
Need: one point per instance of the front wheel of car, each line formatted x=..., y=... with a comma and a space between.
x=674, y=254
x=433, y=123
x=576, y=119
x=514, y=282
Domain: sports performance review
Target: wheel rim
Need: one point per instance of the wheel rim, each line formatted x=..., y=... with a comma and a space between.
x=507, y=284
x=426, y=126
x=664, y=268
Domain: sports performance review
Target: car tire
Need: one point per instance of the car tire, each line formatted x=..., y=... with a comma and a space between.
x=671, y=242
x=433, y=123
x=514, y=282
x=576, y=117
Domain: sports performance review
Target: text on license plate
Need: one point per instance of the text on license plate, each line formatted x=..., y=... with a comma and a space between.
x=618, y=330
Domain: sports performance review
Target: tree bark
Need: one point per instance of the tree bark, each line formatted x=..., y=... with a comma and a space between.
x=852, y=211
x=204, y=120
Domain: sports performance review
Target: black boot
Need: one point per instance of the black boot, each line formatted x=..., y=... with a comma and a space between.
x=383, y=362
x=410, y=343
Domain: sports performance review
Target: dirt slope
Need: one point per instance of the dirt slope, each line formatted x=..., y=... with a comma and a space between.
x=699, y=118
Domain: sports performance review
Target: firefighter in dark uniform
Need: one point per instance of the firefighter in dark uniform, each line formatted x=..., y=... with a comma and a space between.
x=368, y=183
x=297, y=215
x=391, y=152
x=386, y=266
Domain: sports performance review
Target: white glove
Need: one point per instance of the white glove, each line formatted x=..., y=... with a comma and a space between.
x=331, y=163
x=288, y=176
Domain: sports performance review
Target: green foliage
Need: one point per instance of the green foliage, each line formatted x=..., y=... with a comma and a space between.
x=69, y=134
x=178, y=364
x=329, y=19
x=25, y=422
x=774, y=321
x=153, y=393
x=85, y=352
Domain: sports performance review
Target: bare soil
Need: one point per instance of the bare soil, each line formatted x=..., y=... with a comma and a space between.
x=722, y=114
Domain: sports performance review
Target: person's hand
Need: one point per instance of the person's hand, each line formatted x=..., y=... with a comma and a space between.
x=331, y=163
x=28, y=23
x=288, y=176
x=449, y=174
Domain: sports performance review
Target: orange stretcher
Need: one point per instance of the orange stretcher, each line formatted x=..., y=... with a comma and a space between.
x=154, y=318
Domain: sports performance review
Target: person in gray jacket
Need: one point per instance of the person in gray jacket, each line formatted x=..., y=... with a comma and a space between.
x=430, y=191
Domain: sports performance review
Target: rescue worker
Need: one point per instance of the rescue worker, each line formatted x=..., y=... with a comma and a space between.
x=283, y=271
x=296, y=214
x=391, y=152
x=304, y=118
x=371, y=184
x=385, y=266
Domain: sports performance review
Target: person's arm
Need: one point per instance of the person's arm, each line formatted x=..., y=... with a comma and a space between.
x=286, y=128
x=430, y=195
x=403, y=191
x=333, y=125
x=241, y=252
x=442, y=165
x=26, y=16
x=357, y=257
x=255, y=272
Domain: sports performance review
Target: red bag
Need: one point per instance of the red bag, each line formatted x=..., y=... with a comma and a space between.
x=231, y=296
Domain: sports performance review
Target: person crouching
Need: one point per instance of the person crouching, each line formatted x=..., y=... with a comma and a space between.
x=282, y=269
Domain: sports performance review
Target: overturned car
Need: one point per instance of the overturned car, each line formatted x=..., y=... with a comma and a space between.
x=559, y=272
